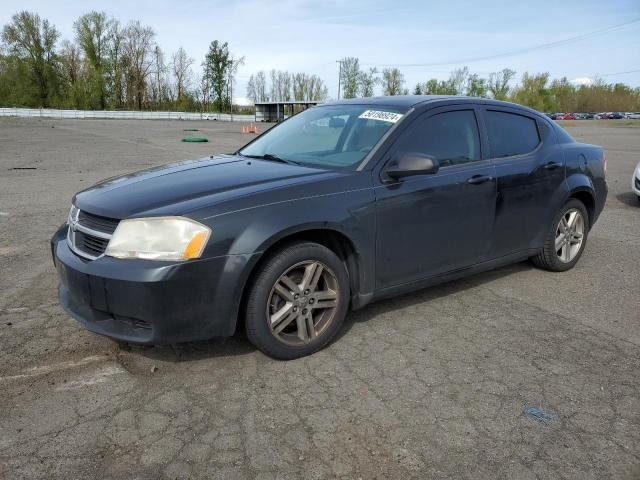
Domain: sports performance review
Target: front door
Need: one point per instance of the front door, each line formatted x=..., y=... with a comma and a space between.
x=436, y=223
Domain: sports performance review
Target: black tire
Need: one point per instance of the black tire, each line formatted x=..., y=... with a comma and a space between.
x=548, y=258
x=257, y=322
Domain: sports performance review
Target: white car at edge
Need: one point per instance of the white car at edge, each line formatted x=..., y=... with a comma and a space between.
x=635, y=182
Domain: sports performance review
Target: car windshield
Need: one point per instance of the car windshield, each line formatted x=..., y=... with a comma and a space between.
x=334, y=136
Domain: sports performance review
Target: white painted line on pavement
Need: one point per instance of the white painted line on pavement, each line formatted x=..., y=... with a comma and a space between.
x=45, y=369
x=100, y=376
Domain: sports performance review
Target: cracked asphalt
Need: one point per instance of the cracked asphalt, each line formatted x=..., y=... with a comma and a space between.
x=427, y=385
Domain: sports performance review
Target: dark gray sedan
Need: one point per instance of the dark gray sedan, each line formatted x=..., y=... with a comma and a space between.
x=338, y=206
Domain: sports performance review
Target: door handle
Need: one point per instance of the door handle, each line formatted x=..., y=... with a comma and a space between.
x=552, y=165
x=478, y=179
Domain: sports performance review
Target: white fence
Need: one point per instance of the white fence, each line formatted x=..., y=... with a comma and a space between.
x=119, y=115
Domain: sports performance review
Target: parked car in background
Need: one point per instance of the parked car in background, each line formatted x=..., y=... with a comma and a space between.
x=340, y=205
x=567, y=116
x=616, y=116
x=633, y=115
x=635, y=182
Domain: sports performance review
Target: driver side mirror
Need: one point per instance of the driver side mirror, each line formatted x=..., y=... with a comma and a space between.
x=406, y=164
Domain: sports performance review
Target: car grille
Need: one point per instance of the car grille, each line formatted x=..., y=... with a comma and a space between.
x=102, y=224
x=89, y=234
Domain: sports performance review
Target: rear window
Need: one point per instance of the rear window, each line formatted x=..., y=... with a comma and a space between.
x=511, y=134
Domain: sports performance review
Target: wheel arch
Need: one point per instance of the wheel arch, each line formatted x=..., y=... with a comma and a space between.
x=331, y=237
x=581, y=188
x=587, y=198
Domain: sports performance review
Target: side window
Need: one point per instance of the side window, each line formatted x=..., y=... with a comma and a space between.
x=451, y=137
x=511, y=134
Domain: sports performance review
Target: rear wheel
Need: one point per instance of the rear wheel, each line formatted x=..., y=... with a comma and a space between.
x=566, y=239
x=298, y=301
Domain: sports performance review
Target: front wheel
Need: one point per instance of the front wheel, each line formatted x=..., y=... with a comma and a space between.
x=566, y=238
x=298, y=301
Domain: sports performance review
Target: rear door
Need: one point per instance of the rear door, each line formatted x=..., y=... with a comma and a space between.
x=530, y=171
x=435, y=223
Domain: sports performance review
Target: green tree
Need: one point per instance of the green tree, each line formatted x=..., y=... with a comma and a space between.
x=392, y=81
x=367, y=81
x=562, y=96
x=498, y=83
x=115, y=64
x=73, y=73
x=108, y=66
x=476, y=86
x=15, y=90
x=215, y=66
x=458, y=81
x=92, y=34
x=533, y=92
x=138, y=47
x=300, y=86
x=181, y=69
x=349, y=76
x=32, y=40
x=281, y=85
x=160, y=92
x=234, y=64
x=317, y=89
x=438, y=87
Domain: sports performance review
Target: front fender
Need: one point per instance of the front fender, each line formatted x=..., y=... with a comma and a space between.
x=256, y=229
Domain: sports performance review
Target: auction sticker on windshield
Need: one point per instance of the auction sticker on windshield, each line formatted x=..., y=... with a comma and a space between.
x=380, y=115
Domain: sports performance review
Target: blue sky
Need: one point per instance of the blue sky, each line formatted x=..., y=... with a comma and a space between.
x=306, y=35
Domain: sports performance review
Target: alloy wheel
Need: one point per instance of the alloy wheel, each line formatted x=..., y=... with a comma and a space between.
x=569, y=235
x=302, y=303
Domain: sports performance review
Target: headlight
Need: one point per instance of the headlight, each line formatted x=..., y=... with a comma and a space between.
x=158, y=238
x=73, y=214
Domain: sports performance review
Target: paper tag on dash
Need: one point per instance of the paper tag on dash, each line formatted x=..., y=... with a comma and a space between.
x=391, y=117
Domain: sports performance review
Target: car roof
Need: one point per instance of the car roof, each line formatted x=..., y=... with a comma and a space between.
x=408, y=101
x=404, y=101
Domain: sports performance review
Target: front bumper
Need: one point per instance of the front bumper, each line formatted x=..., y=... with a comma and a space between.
x=152, y=302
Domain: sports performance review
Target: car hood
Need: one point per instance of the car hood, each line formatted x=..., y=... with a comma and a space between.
x=176, y=188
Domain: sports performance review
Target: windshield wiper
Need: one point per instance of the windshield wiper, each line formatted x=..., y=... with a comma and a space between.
x=272, y=158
